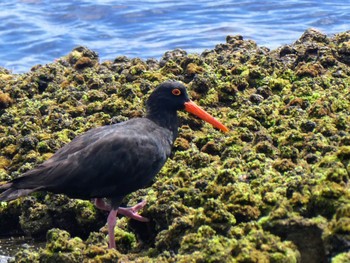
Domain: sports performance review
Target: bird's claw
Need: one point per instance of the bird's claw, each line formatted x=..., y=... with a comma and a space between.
x=131, y=212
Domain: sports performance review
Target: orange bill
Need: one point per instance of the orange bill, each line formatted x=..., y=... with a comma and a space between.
x=193, y=108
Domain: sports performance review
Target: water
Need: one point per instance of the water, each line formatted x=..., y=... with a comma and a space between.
x=10, y=246
x=38, y=31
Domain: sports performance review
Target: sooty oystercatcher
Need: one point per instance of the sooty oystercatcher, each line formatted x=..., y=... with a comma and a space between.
x=113, y=161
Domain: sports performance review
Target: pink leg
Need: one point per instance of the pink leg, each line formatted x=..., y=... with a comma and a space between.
x=131, y=212
x=111, y=221
x=100, y=204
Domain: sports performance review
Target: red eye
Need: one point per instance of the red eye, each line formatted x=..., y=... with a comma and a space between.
x=176, y=92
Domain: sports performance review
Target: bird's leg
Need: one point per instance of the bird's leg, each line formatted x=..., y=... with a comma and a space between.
x=131, y=212
x=101, y=204
x=111, y=221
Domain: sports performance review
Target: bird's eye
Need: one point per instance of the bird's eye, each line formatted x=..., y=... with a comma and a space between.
x=176, y=92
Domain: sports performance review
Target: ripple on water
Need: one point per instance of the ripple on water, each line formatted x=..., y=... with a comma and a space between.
x=10, y=246
x=38, y=31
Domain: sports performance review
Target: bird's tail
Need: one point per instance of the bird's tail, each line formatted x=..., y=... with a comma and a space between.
x=11, y=193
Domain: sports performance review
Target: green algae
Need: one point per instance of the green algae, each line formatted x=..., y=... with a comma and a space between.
x=283, y=167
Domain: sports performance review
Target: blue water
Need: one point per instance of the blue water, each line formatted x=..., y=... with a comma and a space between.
x=38, y=31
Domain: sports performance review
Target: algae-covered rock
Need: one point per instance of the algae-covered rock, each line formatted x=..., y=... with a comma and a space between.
x=272, y=189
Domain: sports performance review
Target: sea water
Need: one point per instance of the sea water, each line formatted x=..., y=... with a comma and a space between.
x=39, y=31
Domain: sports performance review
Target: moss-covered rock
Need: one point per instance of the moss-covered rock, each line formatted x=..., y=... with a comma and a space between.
x=248, y=195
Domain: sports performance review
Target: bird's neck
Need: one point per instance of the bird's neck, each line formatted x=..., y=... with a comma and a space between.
x=166, y=120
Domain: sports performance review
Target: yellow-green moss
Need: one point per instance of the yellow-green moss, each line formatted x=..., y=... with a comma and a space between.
x=286, y=156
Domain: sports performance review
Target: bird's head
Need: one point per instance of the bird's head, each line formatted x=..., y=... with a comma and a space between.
x=171, y=96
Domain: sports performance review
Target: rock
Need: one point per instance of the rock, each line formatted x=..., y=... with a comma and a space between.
x=273, y=189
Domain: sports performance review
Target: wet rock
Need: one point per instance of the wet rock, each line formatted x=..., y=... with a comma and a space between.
x=311, y=158
x=82, y=57
x=264, y=91
x=344, y=52
x=313, y=35
x=279, y=175
x=5, y=100
x=172, y=55
x=309, y=70
x=256, y=98
x=305, y=234
x=233, y=39
x=287, y=50
x=308, y=126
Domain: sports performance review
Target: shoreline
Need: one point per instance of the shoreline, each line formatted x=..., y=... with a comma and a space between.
x=273, y=189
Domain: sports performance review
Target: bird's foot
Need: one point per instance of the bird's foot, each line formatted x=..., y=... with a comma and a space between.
x=131, y=212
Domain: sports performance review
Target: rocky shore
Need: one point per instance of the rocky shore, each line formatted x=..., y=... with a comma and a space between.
x=275, y=188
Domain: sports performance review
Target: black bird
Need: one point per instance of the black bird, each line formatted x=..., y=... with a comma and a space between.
x=113, y=161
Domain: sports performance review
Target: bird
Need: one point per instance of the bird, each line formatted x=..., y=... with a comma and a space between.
x=107, y=163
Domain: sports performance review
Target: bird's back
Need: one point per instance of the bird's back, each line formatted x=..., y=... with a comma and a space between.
x=109, y=161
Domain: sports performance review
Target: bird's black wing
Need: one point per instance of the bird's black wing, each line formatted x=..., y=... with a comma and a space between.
x=107, y=162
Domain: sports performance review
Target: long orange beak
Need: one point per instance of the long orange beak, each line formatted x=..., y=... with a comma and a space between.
x=193, y=108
